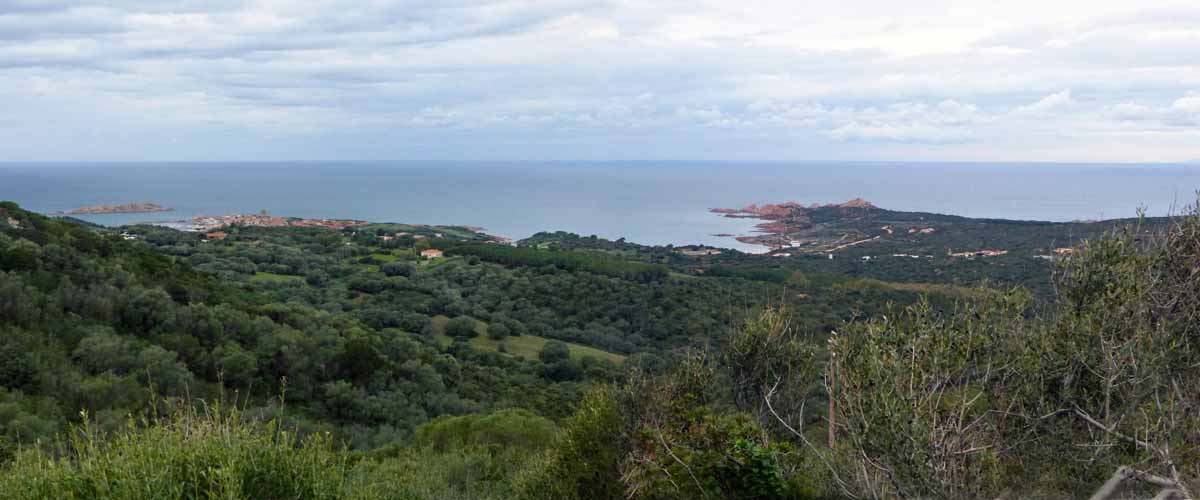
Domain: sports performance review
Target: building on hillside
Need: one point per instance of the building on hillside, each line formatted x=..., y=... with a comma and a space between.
x=216, y=235
x=431, y=254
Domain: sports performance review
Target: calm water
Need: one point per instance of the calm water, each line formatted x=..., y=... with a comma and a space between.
x=652, y=203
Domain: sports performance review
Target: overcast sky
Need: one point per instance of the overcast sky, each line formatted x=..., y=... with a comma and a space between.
x=1044, y=80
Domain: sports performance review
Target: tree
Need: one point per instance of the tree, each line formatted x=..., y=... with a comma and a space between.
x=798, y=279
x=461, y=327
x=553, y=351
x=145, y=310
x=237, y=365
x=497, y=331
x=101, y=350
x=162, y=369
x=316, y=277
x=17, y=367
x=397, y=268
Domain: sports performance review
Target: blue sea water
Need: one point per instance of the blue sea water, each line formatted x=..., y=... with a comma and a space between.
x=644, y=202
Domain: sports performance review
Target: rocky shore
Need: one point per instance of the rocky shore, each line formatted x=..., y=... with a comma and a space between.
x=783, y=221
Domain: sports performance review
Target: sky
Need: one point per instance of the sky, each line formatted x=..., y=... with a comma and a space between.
x=211, y=80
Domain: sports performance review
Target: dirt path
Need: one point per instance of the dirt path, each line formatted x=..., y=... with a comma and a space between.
x=852, y=243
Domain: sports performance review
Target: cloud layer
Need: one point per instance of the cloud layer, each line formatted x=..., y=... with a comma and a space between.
x=569, y=79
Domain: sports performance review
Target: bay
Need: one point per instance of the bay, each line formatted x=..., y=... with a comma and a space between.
x=644, y=202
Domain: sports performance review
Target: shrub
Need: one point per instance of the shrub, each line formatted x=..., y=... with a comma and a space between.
x=505, y=428
x=397, y=268
x=190, y=455
x=554, y=351
x=585, y=463
x=461, y=327
x=497, y=331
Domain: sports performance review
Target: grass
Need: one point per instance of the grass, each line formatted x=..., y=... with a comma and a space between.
x=434, y=263
x=274, y=278
x=523, y=346
x=384, y=257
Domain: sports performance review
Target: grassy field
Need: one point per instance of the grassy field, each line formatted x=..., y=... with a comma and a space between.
x=385, y=257
x=430, y=264
x=524, y=346
x=272, y=277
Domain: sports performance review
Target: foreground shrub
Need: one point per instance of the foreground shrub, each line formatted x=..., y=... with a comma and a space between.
x=188, y=455
x=585, y=463
x=993, y=400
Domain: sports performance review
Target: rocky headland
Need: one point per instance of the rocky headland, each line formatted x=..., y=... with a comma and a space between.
x=782, y=222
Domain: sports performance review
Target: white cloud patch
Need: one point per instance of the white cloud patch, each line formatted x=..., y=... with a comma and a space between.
x=1049, y=103
x=948, y=121
x=1183, y=113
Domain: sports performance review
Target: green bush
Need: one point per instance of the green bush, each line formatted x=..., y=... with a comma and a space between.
x=585, y=463
x=505, y=428
x=190, y=455
x=461, y=327
x=497, y=331
x=554, y=351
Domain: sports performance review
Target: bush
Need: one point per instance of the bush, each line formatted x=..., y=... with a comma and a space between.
x=505, y=428
x=461, y=327
x=187, y=456
x=554, y=351
x=497, y=331
x=585, y=463
x=397, y=268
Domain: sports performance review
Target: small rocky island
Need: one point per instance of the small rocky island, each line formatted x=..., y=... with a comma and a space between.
x=128, y=208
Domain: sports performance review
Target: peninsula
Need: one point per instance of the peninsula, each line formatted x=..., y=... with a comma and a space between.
x=128, y=208
x=860, y=230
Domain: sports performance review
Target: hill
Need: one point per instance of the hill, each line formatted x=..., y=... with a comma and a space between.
x=576, y=367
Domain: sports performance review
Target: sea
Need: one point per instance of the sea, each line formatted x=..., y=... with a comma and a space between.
x=653, y=203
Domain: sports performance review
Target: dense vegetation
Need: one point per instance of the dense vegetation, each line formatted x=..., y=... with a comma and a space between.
x=302, y=362
x=362, y=338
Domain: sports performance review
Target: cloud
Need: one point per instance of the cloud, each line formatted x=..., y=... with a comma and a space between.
x=1189, y=104
x=948, y=121
x=1049, y=103
x=931, y=78
x=1183, y=112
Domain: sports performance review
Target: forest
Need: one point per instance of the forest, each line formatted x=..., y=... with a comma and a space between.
x=311, y=363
